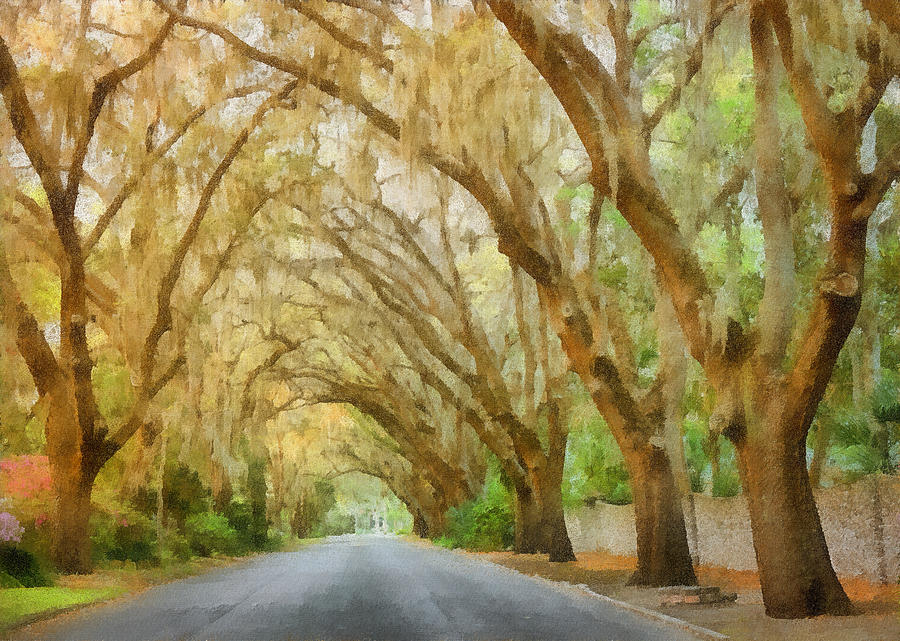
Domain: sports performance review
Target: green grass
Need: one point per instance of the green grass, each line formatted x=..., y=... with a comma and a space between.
x=18, y=604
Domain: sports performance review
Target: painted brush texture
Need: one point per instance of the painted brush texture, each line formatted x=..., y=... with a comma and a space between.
x=474, y=271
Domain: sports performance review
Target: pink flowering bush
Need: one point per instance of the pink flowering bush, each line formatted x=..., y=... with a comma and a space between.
x=25, y=477
x=25, y=481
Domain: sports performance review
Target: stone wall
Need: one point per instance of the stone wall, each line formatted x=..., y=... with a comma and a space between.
x=852, y=516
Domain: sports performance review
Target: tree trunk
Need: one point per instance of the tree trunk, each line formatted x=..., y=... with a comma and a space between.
x=299, y=522
x=160, y=494
x=664, y=557
x=555, y=536
x=222, y=494
x=71, y=541
x=795, y=569
x=420, y=526
x=529, y=534
x=434, y=522
x=711, y=449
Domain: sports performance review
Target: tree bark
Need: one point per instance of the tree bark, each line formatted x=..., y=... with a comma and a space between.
x=71, y=543
x=664, y=557
x=528, y=522
x=795, y=569
x=554, y=535
x=221, y=488
x=420, y=526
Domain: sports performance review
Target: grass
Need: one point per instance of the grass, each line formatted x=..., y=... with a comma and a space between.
x=109, y=580
x=20, y=604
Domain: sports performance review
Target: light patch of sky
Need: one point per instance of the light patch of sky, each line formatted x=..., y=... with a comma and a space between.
x=867, y=157
x=570, y=160
x=330, y=134
x=883, y=211
x=245, y=277
x=52, y=334
x=251, y=29
x=240, y=108
x=892, y=93
x=102, y=38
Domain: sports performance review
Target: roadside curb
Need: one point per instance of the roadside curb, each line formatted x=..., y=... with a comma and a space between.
x=703, y=633
x=706, y=633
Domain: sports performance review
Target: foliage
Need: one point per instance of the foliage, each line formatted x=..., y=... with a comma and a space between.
x=8, y=581
x=484, y=523
x=334, y=523
x=184, y=494
x=176, y=546
x=314, y=514
x=257, y=530
x=23, y=566
x=123, y=536
x=595, y=470
x=210, y=533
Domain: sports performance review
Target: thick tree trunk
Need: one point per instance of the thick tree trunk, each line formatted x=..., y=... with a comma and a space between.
x=420, y=526
x=71, y=542
x=528, y=522
x=664, y=557
x=555, y=536
x=434, y=522
x=794, y=566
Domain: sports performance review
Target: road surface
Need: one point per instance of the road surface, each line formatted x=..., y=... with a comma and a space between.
x=358, y=587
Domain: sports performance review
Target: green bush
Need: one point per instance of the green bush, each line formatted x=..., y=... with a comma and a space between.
x=240, y=517
x=334, y=523
x=209, y=533
x=177, y=546
x=258, y=529
x=726, y=483
x=8, y=581
x=485, y=523
x=595, y=470
x=129, y=536
x=23, y=567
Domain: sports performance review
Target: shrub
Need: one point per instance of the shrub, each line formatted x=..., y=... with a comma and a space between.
x=176, y=546
x=23, y=566
x=209, y=533
x=486, y=523
x=726, y=483
x=335, y=523
x=128, y=536
x=256, y=490
x=240, y=517
x=8, y=581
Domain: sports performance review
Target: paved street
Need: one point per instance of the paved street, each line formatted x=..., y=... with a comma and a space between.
x=358, y=587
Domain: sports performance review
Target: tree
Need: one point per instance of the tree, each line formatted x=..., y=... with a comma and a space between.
x=518, y=213
x=766, y=398
x=79, y=442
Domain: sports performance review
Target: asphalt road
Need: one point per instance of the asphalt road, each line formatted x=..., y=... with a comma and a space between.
x=358, y=587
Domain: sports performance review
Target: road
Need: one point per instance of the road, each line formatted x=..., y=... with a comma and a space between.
x=358, y=587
